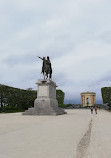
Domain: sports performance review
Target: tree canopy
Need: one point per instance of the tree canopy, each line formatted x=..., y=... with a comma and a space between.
x=15, y=97
x=106, y=95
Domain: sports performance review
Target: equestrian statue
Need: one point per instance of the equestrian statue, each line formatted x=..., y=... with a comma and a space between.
x=46, y=67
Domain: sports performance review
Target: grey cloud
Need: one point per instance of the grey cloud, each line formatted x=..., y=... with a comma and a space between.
x=16, y=60
x=105, y=78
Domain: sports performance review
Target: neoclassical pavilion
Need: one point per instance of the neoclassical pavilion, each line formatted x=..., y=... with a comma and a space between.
x=88, y=98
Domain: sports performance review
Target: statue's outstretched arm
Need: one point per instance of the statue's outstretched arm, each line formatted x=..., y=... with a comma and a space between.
x=40, y=57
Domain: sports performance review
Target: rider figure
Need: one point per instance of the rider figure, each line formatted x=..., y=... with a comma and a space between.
x=48, y=64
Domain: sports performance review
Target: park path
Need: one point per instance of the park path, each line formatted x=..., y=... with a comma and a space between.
x=78, y=134
x=100, y=142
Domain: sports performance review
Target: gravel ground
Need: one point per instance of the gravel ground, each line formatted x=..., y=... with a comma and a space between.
x=77, y=134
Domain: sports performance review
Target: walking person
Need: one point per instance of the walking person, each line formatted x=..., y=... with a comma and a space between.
x=96, y=109
x=91, y=109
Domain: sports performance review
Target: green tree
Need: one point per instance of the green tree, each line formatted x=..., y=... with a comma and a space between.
x=16, y=98
x=106, y=95
x=60, y=96
x=3, y=94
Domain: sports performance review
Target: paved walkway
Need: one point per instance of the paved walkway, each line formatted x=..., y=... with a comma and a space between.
x=75, y=135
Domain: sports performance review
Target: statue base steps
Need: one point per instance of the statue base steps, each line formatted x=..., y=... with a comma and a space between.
x=35, y=111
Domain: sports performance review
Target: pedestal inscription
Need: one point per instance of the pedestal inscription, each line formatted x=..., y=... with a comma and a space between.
x=42, y=91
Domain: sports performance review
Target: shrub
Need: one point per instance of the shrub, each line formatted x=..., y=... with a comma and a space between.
x=106, y=95
x=60, y=96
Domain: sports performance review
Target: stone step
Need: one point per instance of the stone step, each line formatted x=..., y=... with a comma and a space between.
x=49, y=111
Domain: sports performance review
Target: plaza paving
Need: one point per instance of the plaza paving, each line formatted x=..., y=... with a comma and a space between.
x=78, y=134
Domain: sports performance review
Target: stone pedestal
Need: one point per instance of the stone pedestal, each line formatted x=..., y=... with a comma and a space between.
x=46, y=102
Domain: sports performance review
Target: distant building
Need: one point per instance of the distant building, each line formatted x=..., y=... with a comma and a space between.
x=88, y=98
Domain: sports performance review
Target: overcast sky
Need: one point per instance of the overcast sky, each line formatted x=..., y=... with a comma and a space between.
x=75, y=34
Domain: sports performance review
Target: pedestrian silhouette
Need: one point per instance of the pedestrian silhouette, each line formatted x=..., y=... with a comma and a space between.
x=91, y=109
x=95, y=109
